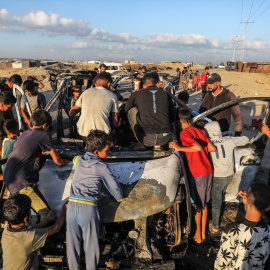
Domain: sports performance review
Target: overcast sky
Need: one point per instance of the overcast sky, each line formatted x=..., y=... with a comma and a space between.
x=144, y=30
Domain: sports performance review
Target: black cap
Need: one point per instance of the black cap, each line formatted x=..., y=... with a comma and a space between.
x=154, y=68
x=214, y=77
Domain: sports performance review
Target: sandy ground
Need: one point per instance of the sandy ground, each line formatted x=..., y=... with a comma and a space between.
x=241, y=84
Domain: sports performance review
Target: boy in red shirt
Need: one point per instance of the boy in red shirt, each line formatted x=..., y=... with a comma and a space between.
x=196, y=146
x=204, y=77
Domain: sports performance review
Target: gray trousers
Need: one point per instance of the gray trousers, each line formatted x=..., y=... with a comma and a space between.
x=146, y=139
x=219, y=187
x=82, y=224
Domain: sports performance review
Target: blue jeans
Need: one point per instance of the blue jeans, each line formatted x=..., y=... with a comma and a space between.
x=219, y=187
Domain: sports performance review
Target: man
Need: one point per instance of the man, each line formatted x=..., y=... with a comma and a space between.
x=185, y=77
x=7, y=85
x=217, y=95
x=7, y=101
x=150, y=114
x=154, y=69
x=98, y=107
x=204, y=76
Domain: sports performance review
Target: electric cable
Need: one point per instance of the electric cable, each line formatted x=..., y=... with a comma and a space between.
x=250, y=9
x=262, y=12
x=257, y=9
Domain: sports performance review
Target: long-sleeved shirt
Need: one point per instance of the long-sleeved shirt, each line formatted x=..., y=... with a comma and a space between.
x=90, y=171
x=223, y=157
x=224, y=116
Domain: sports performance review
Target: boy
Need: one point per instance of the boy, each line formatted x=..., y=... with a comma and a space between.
x=137, y=83
x=38, y=83
x=74, y=119
x=223, y=163
x=82, y=212
x=11, y=128
x=246, y=244
x=36, y=100
x=196, y=146
x=76, y=95
x=21, y=174
x=20, y=245
x=184, y=96
x=7, y=101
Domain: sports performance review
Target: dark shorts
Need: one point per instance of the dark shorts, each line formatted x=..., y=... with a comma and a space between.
x=200, y=189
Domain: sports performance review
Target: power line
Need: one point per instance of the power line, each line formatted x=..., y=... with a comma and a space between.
x=262, y=12
x=242, y=10
x=257, y=8
x=250, y=9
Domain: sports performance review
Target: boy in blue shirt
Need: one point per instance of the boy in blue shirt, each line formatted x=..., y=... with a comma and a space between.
x=21, y=174
x=11, y=128
x=82, y=212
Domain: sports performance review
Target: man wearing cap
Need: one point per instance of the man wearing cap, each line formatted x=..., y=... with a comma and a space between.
x=217, y=95
x=154, y=69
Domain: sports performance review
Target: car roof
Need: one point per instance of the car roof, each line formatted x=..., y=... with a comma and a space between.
x=111, y=64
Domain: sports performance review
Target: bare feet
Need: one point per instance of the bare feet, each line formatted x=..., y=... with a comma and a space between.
x=197, y=240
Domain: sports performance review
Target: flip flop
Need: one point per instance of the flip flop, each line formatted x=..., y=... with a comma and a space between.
x=213, y=232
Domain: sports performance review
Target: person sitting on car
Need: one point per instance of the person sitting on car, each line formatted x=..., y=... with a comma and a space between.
x=150, y=114
x=98, y=107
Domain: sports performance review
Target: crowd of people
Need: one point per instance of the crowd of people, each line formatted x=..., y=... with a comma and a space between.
x=156, y=124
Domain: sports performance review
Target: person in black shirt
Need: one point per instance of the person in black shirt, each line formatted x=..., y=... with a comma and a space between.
x=150, y=114
x=8, y=84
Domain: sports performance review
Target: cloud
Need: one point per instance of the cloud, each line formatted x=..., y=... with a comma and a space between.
x=124, y=38
x=52, y=24
x=77, y=45
x=174, y=40
x=93, y=43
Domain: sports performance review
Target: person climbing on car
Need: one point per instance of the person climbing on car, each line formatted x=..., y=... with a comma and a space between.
x=150, y=113
x=98, y=107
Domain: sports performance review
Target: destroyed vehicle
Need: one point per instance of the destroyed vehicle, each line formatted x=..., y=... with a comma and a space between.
x=153, y=222
x=150, y=227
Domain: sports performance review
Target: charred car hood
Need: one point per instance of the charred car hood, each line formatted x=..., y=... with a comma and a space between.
x=148, y=186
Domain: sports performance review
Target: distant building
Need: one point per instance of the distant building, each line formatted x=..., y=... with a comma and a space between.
x=93, y=62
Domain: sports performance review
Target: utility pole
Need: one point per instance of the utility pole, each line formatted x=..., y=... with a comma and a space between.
x=234, y=52
x=243, y=50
